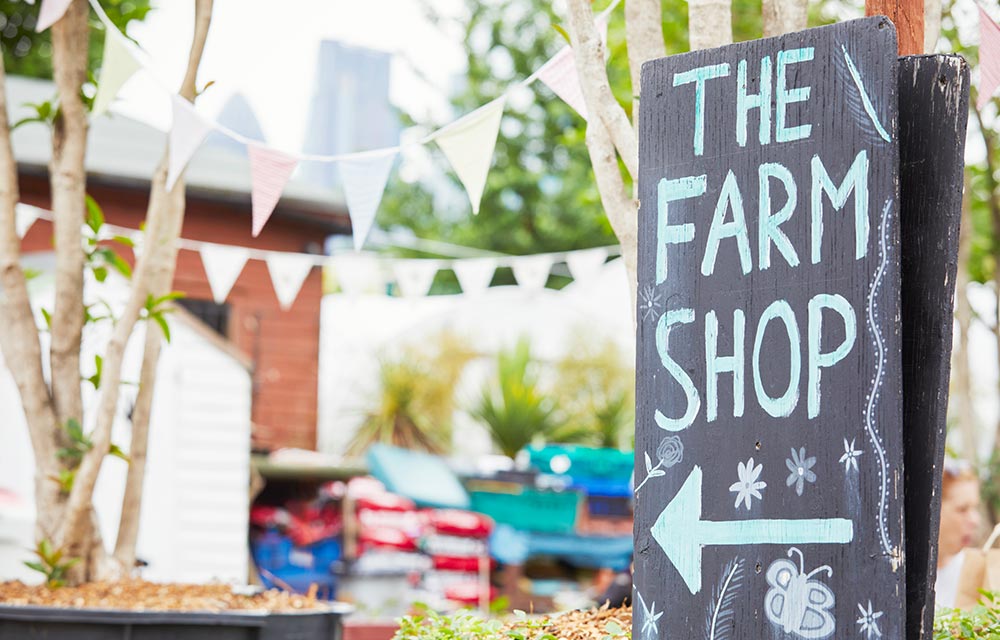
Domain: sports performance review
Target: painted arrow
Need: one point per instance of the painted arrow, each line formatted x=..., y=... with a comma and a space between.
x=682, y=533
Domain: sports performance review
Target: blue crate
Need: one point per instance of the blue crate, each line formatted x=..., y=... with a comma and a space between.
x=283, y=565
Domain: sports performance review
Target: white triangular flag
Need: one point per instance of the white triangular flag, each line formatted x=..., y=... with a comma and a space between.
x=50, y=13
x=468, y=143
x=587, y=263
x=364, y=177
x=475, y=274
x=24, y=217
x=532, y=272
x=117, y=67
x=415, y=277
x=186, y=135
x=270, y=170
x=559, y=74
x=223, y=265
x=288, y=272
x=357, y=273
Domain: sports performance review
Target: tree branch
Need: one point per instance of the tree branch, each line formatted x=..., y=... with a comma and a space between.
x=18, y=332
x=602, y=106
x=710, y=23
x=68, y=183
x=784, y=16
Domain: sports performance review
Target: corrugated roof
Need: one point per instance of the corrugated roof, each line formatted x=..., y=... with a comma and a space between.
x=125, y=151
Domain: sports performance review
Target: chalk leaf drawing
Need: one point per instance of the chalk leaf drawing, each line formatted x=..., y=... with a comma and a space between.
x=850, y=457
x=748, y=485
x=649, y=619
x=650, y=303
x=796, y=602
x=867, y=621
x=668, y=453
x=720, y=620
x=858, y=103
x=801, y=469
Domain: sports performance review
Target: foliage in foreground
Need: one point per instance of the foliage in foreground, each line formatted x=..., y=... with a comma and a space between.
x=981, y=623
x=467, y=625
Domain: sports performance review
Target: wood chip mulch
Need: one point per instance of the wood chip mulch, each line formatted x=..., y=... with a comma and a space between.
x=137, y=595
x=588, y=624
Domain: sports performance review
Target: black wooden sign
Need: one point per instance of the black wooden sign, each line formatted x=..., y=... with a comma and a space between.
x=769, y=465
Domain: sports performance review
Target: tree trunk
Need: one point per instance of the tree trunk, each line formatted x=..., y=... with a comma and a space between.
x=932, y=24
x=164, y=262
x=710, y=23
x=784, y=16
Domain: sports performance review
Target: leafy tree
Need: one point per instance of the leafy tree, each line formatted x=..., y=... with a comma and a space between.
x=28, y=53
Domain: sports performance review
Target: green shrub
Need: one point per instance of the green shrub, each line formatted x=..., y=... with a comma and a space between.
x=981, y=623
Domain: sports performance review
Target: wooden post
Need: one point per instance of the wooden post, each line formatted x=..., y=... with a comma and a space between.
x=908, y=16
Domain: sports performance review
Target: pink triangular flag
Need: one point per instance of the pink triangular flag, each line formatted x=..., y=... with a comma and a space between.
x=989, y=58
x=50, y=13
x=559, y=74
x=270, y=170
x=186, y=135
x=364, y=177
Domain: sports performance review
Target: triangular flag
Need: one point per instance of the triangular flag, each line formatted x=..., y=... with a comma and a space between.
x=587, y=263
x=559, y=74
x=288, y=272
x=474, y=274
x=270, y=170
x=357, y=273
x=415, y=277
x=364, y=177
x=532, y=272
x=50, y=13
x=223, y=265
x=468, y=143
x=117, y=67
x=989, y=58
x=24, y=217
x=186, y=135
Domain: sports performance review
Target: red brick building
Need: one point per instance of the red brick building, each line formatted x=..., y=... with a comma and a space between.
x=283, y=346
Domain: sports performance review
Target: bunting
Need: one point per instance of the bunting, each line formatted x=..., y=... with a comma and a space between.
x=475, y=275
x=468, y=144
x=415, y=277
x=586, y=264
x=288, y=272
x=559, y=74
x=50, y=13
x=270, y=170
x=117, y=66
x=223, y=265
x=532, y=272
x=24, y=217
x=989, y=58
x=364, y=179
x=186, y=135
x=357, y=273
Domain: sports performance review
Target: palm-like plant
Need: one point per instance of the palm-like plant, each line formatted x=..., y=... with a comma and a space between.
x=416, y=397
x=514, y=409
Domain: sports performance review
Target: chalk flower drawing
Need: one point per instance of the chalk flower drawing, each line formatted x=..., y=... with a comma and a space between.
x=720, y=619
x=748, y=486
x=797, y=603
x=801, y=469
x=649, y=302
x=669, y=453
x=867, y=621
x=649, y=619
x=850, y=457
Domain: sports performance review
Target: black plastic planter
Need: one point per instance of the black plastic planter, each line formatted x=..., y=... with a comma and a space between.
x=50, y=623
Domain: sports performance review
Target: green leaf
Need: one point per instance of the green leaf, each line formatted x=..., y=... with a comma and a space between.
x=101, y=273
x=44, y=548
x=95, y=216
x=117, y=452
x=125, y=240
x=111, y=257
x=48, y=318
x=561, y=31
x=75, y=430
x=160, y=320
x=37, y=566
x=31, y=274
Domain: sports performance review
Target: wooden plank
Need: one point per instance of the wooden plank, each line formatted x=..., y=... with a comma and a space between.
x=908, y=16
x=768, y=476
x=933, y=113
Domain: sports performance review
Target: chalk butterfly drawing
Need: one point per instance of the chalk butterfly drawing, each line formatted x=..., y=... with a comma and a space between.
x=796, y=602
